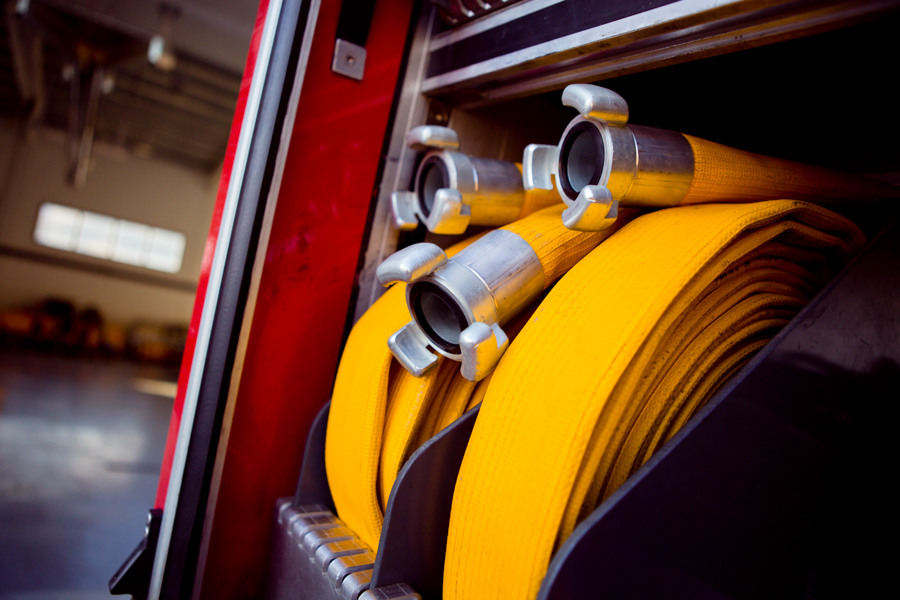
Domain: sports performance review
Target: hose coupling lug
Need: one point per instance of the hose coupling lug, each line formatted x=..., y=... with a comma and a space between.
x=449, y=214
x=410, y=347
x=403, y=208
x=425, y=137
x=481, y=347
x=410, y=264
x=595, y=102
x=539, y=166
x=593, y=210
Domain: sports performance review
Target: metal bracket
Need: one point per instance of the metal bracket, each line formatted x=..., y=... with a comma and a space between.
x=349, y=57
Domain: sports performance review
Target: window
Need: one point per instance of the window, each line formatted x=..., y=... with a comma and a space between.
x=104, y=237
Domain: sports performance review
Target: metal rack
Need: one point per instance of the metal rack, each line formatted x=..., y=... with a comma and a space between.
x=537, y=46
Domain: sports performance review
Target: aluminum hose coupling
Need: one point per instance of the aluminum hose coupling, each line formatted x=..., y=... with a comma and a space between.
x=601, y=161
x=453, y=190
x=458, y=305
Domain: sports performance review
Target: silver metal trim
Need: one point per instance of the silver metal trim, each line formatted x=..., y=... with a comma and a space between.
x=399, y=168
x=634, y=43
x=349, y=59
x=216, y=272
x=665, y=167
x=593, y=36
x=504, y=15
x=265, y=233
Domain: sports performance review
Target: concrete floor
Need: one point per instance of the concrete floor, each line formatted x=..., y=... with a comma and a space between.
x=80, y=453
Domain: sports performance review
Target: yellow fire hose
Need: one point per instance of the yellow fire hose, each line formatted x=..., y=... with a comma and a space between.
x=618, y=355
x=380, y=414
x=631, y=337
x=356, y=421
x=688, y=295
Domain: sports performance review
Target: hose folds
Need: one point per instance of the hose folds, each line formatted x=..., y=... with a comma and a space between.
x=619, y=354
x=361, y=443
x=380, y=413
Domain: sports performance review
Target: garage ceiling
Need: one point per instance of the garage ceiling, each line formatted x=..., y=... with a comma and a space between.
x=182, y=114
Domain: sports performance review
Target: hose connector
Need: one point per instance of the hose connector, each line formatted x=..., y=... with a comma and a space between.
x=601, y=161
x=453, y=190
x=460, y=304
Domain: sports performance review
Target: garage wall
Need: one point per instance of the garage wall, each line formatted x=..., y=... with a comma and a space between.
x=149, y=191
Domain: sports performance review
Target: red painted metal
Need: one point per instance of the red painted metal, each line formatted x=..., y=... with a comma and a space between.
x=208, y=252
x=304, y=294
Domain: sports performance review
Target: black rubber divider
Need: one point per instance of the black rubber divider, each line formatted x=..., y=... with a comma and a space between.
x=777, y=488
x=414, y=537
x=312, y=487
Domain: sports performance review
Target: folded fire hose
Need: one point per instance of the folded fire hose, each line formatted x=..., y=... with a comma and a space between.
x=453, y=190
x=632, y=338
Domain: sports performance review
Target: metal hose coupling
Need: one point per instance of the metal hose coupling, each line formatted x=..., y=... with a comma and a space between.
x=601, y=161
x=453, y=190
x=459, y=304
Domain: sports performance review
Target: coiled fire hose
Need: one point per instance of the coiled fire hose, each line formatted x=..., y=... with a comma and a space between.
x=452, y=190
x=602, y=162
x=616, y=358
x=619, y=354
x=380, y=414
x=460, y=304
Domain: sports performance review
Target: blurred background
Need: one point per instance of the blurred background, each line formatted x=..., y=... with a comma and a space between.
x=114, y=122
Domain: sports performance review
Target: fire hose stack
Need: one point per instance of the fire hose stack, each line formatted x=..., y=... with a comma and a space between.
x=590, y=332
